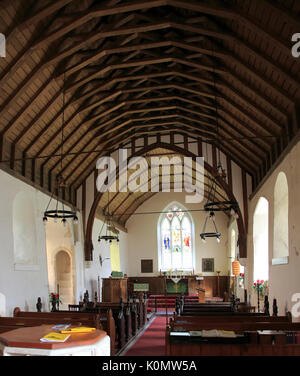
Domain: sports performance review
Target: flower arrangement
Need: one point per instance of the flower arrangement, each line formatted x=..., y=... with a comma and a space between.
x=54, y=298
x=241, y=280
x=261, y=287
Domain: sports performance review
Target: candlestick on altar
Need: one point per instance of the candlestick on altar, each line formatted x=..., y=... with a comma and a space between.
x=58, y=297
x=218, y=293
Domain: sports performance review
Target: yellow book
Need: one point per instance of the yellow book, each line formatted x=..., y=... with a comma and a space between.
x=227, y=334
x=55, y=337
x=79, y=329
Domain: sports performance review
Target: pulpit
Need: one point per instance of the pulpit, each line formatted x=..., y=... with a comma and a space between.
x=201, y=295
x=113, y=289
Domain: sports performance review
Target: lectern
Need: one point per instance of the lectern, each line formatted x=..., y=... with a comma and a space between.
x=113, y=289
x=201, y=295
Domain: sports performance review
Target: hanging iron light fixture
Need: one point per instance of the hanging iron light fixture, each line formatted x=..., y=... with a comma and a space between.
x=62, y=213
x=215, y=234
x=111, y=232
x=212, y=204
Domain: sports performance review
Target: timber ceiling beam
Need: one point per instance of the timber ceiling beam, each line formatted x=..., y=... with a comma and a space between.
x=96, y=72
x=119, y=138
x=42, y=14
x=97, y=12
x=102, y=11
x=99, y=214
x=205, y=133
x=234, y=14
x=108, y=141
x=185, y=27
x=92, y=163
x=138, y=111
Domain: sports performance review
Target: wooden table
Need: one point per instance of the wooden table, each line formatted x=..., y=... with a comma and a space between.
x=26, y=341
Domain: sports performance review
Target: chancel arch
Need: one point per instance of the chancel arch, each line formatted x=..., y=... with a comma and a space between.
x=226, y=186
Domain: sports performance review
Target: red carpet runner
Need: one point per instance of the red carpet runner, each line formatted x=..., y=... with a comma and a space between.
x=152, y=341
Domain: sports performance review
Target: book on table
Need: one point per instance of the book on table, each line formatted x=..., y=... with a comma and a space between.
x=55, y=337
x=213, y=333
x=195, y=333
x=78, y=329
x=180, y=334
x=61, y=326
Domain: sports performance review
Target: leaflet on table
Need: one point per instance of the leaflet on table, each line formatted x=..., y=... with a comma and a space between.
x=55, y=337
x=61, y=326
x=79, y=329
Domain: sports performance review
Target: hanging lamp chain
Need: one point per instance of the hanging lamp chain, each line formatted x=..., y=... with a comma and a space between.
x=57, y=213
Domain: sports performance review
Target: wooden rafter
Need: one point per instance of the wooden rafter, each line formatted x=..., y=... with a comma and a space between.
x=159, y=66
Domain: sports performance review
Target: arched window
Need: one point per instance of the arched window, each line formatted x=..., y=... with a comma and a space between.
x=281, y=221
x=175, y=234
x=24, y=232
x=232, y=248
x=115, y=256
x=261, y=240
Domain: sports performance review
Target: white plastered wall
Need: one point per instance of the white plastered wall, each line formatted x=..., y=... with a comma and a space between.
x=143, y=243
x=284, y=279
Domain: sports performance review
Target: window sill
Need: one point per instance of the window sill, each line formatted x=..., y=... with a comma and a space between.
x=280, y=260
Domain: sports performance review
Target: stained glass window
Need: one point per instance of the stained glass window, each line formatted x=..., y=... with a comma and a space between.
x=176, y=240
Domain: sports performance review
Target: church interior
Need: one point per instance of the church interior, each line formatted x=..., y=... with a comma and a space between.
x=150, y=178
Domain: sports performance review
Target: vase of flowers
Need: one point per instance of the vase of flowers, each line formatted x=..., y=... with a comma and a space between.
x=241, y=280
x=54, y=301
x=262, y=288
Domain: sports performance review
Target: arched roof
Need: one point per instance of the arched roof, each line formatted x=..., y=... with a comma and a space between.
x=201, y=69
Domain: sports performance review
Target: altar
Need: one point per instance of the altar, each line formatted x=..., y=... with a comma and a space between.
x=179, y=283
x=180, y=287
x=186, y=284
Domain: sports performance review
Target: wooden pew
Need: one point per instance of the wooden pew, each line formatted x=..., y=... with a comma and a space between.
x=139, y=310
x=134, y=312
x=234, y=317
x=103, y=320
x=118, y=313
x=128, y=321
x=272, y=345
x=129, y=317
x=260, y=343
x=134, y=318
x=140, y=313
x=119, y=317
x=186, y=307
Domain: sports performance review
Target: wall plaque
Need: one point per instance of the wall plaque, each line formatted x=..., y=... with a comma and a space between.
x=146, y=266
x=208, y=265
